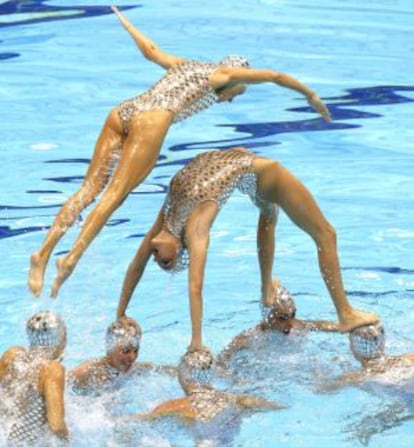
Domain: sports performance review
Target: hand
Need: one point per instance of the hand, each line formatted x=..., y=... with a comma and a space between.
x=195, y=347
x=316, y=102
x=115, y=10
x=269, y=293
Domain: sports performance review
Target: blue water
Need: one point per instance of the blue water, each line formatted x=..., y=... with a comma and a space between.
x=63, y=65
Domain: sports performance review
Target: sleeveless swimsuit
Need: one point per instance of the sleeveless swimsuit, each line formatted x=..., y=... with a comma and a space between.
x=184, y=90
x=20, y=401
x=212, y=175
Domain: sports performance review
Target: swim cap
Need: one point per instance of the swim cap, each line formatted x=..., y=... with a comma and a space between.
x=283, y=303
x=46, y=329
x=126, y=331
x=367, y=342
x=235, y=61
x=196, y=367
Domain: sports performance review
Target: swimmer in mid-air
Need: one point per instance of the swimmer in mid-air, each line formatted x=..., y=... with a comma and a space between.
x=202, y=401
x=32, y=382
x=196, y=194
x=133, y=134
x=123, y=338
x=280, y=317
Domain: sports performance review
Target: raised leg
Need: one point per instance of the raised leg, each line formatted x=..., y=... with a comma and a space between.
x=283, y=188
x=96, y=178
x=139, y=154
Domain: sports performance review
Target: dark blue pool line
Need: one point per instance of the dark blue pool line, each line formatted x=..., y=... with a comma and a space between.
x=342, y=108
x=42, y=9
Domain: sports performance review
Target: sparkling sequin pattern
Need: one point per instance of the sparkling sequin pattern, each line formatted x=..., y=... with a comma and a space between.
x=368, y=342
x=208, y=402
x=283, y=303
x=213, y=175
x=102, y=379
x=184, y=90
x=20, y=400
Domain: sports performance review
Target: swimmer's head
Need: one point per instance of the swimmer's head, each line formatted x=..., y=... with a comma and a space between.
x=235, y=61
x=195, y=368
x=123, y=332
x=47, y=330
x=280, y=314
x=123, y=339
x=168, y=252
x=367, y=342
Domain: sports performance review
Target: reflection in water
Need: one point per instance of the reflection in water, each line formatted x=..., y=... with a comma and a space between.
x=365, y=423
x=25, y=12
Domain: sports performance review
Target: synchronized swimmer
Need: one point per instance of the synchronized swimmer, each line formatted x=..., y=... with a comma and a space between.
x=133, y=134
x=180, y=234
x=32, y=381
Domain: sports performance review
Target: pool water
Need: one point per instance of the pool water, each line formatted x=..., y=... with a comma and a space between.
x=63, y=65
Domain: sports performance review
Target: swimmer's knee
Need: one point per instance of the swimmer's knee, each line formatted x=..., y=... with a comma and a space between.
x=325, y=235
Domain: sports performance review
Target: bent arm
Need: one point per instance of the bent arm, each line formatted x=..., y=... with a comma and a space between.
x=137, y=266
x=228, y=76
x=52, y=381
x=147, y=47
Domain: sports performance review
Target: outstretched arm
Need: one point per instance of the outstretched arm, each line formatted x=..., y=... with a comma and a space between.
x=249, y=401
x=178, y=408
x=137, y=266
x=239, y=342
x=317, y=325
x=147, y=47
x=197, y=237
x=226, y=76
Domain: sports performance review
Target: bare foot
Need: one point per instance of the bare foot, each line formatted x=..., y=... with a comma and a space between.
x=357, y=318
x=63, y=272
x=36, y=274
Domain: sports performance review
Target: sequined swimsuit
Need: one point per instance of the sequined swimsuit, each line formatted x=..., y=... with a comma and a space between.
x=213, y=175
x=20, y=401
x=209, y=403
x=184, y=90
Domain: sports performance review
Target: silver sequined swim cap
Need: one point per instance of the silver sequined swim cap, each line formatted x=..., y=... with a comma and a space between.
x=124, y=332
x=235, y=61
x=47, y=330
x=196, y=367
x=367, y=342
x=284, y=302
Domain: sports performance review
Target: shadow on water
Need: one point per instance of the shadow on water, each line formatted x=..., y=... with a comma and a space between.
x=341, y=107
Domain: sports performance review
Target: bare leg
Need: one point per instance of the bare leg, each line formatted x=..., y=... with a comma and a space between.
x=95, y=180
x=139, y=154
x=280, y=186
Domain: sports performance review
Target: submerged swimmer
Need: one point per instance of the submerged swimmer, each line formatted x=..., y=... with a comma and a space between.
x=133, y=134
x=123, y=339
x=367, y=344
x=32, y=382
x=203, y=402
x=279, y=317
x=197, y=193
